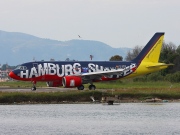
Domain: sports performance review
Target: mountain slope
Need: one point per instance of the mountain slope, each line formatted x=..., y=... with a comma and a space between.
x=17, y=48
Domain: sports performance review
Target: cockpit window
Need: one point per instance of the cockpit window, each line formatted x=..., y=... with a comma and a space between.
x=22, y=67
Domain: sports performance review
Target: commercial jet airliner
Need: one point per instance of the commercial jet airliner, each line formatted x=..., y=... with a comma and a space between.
x=76, y=73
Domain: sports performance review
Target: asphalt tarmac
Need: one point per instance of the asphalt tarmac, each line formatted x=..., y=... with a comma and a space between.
x=44, y=89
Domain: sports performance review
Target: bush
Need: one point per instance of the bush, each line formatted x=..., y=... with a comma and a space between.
x=175, y=77
x=140, y=79
x=155, y=77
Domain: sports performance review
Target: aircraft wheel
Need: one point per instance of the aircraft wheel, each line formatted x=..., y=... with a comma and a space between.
x=81, y=87
x=33, y=88
x=92, y=87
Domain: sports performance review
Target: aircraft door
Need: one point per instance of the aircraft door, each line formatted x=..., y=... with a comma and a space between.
x=35, y=65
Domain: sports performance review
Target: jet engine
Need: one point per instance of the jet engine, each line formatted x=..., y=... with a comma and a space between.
x=54, y=83
x=71, y=81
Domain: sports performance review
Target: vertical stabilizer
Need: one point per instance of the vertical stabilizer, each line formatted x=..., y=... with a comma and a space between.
x=151, y=51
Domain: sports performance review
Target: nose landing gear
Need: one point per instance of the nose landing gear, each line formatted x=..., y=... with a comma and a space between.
x=34, y=86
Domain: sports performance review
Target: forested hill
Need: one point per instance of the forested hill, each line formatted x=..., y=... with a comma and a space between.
x=17, y=48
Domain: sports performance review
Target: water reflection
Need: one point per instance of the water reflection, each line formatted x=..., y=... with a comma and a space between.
x=75, y=119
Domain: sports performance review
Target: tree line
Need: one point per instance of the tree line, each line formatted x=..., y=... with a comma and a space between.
x=170, y=54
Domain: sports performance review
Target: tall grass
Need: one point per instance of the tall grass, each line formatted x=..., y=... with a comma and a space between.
x=84, y=96
x=50, y=97
x=143, y=93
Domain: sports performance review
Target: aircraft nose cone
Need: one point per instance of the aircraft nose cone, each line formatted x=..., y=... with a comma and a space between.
x=12, y=75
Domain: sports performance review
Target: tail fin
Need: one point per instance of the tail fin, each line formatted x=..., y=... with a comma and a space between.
x=151, y=51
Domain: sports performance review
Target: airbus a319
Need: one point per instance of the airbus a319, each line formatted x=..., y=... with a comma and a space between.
x=76, y=73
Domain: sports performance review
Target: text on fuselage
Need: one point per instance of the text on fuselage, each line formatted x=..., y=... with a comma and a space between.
x=70, y=69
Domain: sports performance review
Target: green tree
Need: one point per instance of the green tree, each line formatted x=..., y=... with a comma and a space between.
x=178, y=50
x=175, y=77
x=116, y=58
x=170, y=54
x=133, y=53
x=4, y=67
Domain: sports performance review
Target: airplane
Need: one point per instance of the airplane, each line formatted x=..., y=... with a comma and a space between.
x=76, y=73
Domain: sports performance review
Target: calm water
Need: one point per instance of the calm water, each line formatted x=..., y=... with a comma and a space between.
x=93, y=119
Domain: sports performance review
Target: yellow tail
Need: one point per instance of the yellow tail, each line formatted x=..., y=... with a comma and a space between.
x=147, y=60
x=154, y=53
x=151, y=51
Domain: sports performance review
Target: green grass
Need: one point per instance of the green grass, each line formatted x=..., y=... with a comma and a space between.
x=125, y=89
x=128, y=83
x=21, y=84
x=143, y=93
x=84, y=96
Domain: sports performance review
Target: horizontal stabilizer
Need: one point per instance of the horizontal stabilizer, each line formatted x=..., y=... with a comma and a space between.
x=159, y=65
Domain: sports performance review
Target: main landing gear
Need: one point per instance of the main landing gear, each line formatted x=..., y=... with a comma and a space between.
x=34, y=86
x=91, y=87
x=81, y=87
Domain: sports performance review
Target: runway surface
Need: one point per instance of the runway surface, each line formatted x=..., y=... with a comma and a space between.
x=43, y=89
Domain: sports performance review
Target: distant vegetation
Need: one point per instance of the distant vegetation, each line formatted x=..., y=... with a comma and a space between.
x=116, y=58
x=131, y=54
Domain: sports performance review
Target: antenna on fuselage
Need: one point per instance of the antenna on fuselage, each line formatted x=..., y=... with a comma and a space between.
x=91, y=57
x=34, y=59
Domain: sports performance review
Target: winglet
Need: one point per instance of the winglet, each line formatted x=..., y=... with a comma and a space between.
x=151, y=51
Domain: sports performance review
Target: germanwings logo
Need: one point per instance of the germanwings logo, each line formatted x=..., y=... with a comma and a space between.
x=71, y=69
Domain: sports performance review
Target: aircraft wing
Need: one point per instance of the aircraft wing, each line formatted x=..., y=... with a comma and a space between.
x=99, y=74
x=110, y=72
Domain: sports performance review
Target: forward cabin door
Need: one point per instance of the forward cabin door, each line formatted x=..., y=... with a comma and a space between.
x=36, y=66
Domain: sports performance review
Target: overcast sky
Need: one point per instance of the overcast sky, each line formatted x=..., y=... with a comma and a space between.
x=118, y=23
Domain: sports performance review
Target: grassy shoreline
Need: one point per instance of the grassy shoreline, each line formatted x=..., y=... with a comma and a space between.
x=126, y=95
x=127, y=90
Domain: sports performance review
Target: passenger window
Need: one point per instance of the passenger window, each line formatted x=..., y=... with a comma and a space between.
x=21, y=67
x=18, y=67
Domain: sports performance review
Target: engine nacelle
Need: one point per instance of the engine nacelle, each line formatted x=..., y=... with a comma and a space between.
x=54, y=83
x=71, y=81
